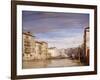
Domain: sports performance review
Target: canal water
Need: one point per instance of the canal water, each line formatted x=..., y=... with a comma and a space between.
x=51, y=63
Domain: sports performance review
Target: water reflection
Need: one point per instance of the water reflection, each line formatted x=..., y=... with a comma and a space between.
x=51, y=63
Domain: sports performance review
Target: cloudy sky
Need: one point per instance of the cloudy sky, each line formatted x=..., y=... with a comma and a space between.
x=61, y=30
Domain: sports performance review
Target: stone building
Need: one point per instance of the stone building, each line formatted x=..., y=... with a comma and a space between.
x=37, y=50
x=28, y=45
x=41, y=50
x=44, y=50
x=85, y=47
x=87, y=44
x=33, y=49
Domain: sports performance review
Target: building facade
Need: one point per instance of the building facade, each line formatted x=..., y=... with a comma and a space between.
x=33, y=49
x=44, y=50
x=28, y=45
x=53, y=52
x=37, y=50
x=87, y=44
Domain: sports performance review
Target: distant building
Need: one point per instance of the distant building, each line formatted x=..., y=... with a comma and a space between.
x=53, y=51
x=63, y=52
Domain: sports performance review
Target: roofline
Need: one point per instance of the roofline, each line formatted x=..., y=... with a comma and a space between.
x=28, y=34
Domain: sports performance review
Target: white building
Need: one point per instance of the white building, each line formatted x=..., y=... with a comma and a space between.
x=54, y=52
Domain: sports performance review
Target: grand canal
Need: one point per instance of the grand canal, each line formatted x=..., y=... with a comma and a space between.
x=51, y=63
